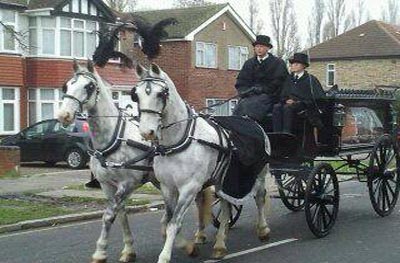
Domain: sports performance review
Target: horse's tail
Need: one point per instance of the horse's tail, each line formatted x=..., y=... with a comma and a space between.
x=207, y=201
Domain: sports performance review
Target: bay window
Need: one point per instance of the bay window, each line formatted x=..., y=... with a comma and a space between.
x=43, y=104
x=7, y=31
x=63, y=36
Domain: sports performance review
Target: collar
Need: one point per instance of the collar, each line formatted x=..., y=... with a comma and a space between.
x=299, y=75
x=263, y=58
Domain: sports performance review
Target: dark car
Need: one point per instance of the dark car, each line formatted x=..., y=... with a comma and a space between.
x=50, y=142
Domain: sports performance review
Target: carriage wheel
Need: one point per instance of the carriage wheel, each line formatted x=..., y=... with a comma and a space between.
x=321, y=199
x=291, y=190
x=234, y=213
x=383, y=177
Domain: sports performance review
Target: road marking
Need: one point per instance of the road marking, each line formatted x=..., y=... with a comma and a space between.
x=252, y=250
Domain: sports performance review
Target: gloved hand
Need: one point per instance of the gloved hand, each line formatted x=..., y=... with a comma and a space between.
x=258, y=90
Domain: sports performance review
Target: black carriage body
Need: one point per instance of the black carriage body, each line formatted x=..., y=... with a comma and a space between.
x=331, y=141
x=357, y=123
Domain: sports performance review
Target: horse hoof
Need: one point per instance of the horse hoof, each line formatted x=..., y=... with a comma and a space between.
x=219, y=253
x=104, y=260
x=128, y=257
x=263, y=238
x=263, y=235
x=192, y=251
x=200, y=240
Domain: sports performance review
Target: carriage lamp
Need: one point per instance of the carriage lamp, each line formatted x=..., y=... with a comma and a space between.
x=339, y=116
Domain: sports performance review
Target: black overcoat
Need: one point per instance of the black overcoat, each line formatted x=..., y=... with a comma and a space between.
x=268, y=76
x=306, y=90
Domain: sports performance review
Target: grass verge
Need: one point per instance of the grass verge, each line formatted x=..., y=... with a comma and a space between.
x=13, y=211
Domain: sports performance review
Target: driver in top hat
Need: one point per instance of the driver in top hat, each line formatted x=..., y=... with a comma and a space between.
x=301, y=93
x=259, y=82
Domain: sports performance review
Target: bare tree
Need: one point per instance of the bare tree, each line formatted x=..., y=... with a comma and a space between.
x=122, y=5
x=337, y=19
x=284, y=27
x=315, y=23
x=256, y=24
x=189, y=3
x=11, y=36
x=360, y=13
x=391, y=11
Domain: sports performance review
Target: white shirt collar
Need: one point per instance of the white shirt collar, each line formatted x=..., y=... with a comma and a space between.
x=263, y=58
x=299, y=75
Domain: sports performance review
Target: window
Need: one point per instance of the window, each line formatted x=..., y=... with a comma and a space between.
x=122, y=100
x=221, y=110
x=237, y=57
x=330, y=75
x=9, y=110
x=48, y=35
x=62, y=36
x=43, y=104
x=7, y=37
x=206, y=55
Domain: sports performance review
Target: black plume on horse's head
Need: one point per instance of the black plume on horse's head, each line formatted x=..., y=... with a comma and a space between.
x=153, y=34
x=108, y=40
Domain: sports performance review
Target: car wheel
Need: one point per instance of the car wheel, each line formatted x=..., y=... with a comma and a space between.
x=75, y=159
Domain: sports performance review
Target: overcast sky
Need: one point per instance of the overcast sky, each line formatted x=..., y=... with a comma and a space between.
x=303, y=10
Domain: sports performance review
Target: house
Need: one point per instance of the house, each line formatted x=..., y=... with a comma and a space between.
x=203, y=52
x=35, y=62
x=365, y=57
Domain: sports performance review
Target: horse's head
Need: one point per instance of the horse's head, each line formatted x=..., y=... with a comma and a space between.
x=151, y=93
x=80, y=92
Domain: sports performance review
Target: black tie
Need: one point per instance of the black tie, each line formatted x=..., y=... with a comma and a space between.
x=296, y=78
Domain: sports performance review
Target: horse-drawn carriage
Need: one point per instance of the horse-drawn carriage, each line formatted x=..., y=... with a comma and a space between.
x=358, y=138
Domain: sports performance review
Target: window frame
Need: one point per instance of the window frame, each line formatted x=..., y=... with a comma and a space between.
x=241, y=62
x=330, y=71
x=16, y=29
x=16, y=103
x=58, y=29
x=204, y=49
x=38, y=103
x=231, y=105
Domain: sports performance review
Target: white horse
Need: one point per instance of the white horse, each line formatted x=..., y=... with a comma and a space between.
x=184, y=169
x=87, y=91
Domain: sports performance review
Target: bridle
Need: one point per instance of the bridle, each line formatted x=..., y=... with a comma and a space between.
x=164, y=94
x=90, y=89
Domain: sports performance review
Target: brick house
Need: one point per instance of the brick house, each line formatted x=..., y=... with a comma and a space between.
x=56, y=31
x=203, y=53
x=364, y=57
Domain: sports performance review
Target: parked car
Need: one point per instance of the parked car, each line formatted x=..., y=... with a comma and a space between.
x=50, y=142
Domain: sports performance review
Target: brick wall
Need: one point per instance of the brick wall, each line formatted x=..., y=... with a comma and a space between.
x=177, y=59
x=360, y=74
x=11, y=71
x=9, y=160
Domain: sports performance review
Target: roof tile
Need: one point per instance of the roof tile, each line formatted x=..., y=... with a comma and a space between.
x=372, y=39
x=189, y=18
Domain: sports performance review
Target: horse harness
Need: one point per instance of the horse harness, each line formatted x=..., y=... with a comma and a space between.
x=90, y=89
x=117, y=138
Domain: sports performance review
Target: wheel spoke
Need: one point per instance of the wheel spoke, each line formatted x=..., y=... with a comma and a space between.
x=316, y=213
x=328, y=214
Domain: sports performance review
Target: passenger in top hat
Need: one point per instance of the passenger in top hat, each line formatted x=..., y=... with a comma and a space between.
x=259, y=82
x=301, y=92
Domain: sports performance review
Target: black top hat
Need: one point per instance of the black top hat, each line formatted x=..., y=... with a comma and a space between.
x=263, y=40
x=300, y=58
